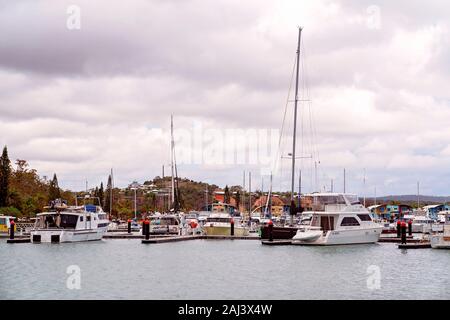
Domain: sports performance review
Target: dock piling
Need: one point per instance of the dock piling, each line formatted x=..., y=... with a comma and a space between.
x=232, y=227
x=410, y=227
x=147, y=229
x=11, y=230
x=129, y=225
x=270, y=231
x=399, y=224
x=403, y=227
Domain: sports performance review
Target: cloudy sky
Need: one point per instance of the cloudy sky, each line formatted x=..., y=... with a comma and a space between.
x=85, y=87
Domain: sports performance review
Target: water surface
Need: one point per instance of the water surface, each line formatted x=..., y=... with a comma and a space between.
x=221, y=269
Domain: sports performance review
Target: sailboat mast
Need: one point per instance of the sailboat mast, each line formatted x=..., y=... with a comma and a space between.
x=172, y=143
x=294, y=140
x=111, y=195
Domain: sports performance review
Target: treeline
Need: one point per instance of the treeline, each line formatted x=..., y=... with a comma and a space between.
x=22, y=192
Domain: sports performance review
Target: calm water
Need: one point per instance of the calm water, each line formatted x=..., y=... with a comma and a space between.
x=220, y=269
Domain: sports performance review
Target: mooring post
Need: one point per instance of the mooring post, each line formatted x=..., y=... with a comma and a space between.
x=410, y=227
x=232, y=227
x=404, y=232
x=11, y=230
x=270, y=230
x=147, y=229
x=399, y=224
x=129, y=225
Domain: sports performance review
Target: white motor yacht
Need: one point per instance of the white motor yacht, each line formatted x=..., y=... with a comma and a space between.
x=219, y=224
x=442, y=240
x=164, y=224
x=62, y=223
x=337, y=218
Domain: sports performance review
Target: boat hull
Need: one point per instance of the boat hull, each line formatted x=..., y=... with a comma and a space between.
x=341, y=237
x=279, y=233
x=440, y=242
x=225, y=231
x=61, y=236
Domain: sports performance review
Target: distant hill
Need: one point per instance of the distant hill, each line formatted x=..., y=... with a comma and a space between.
x=410, y=199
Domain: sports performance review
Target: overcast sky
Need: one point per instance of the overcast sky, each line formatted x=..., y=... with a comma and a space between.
x=79, y=96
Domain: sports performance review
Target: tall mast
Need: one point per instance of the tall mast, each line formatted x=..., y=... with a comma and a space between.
x=364, y=182
x=250, y=193
x=243, y=193
x=172, y=143
x=111, y=195
x=295, y=126
x=344, y=180
x=418, y=194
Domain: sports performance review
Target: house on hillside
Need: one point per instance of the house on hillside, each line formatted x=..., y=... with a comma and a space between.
x=389, y=211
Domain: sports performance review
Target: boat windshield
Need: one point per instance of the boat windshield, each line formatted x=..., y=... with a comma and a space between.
x=218, y=220
x=353, y=199
x=63, y=221
x=164, y=221
x=327, y=200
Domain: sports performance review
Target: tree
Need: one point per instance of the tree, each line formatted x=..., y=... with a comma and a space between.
x=226, y=197
x=53, y=191
x=5, y=173
x=107, y=198
x=101, y=193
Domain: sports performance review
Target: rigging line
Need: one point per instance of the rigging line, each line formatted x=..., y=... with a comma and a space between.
x=280, y=140
x=308, y=98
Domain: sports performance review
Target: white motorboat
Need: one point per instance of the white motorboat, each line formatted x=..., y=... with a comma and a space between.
x=219, y=224
x=442, y=240
x=338, y=218
x=422, y=224
x=62, y=223
x=164, y=224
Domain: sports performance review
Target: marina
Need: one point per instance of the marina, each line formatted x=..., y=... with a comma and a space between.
x=179, y=150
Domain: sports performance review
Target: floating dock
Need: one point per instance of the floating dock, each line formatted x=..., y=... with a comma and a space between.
x=21, y=240
x=397, y=240
x=156, y=240
x=415, y=245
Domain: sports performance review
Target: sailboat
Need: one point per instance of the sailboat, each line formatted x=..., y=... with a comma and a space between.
x=169, y=223
x=287, y=232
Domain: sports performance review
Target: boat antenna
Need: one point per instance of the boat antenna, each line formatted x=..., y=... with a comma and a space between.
x=293, y=209
x=172, y=144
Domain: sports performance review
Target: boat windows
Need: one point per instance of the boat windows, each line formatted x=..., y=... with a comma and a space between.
x=81, y=218
x=353, y=199
x=64, y=221
x=349, y=221
x=68, y=221
x=326, y=200
x=364, y=217
x=164, y=221
x=218, y=220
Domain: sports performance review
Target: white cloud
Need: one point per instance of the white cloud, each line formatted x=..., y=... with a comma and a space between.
x=80, y=102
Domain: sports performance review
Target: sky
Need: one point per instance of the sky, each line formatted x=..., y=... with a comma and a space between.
x=86, y=87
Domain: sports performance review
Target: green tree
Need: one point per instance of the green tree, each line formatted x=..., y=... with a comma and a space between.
x=101, y=193
x=107, y=198
x=53, y=191
x=5, y=173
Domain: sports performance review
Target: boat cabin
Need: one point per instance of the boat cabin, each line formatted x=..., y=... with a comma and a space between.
x=331, y=201
x=5, y=223
x=77, y=217
x=219, y=217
